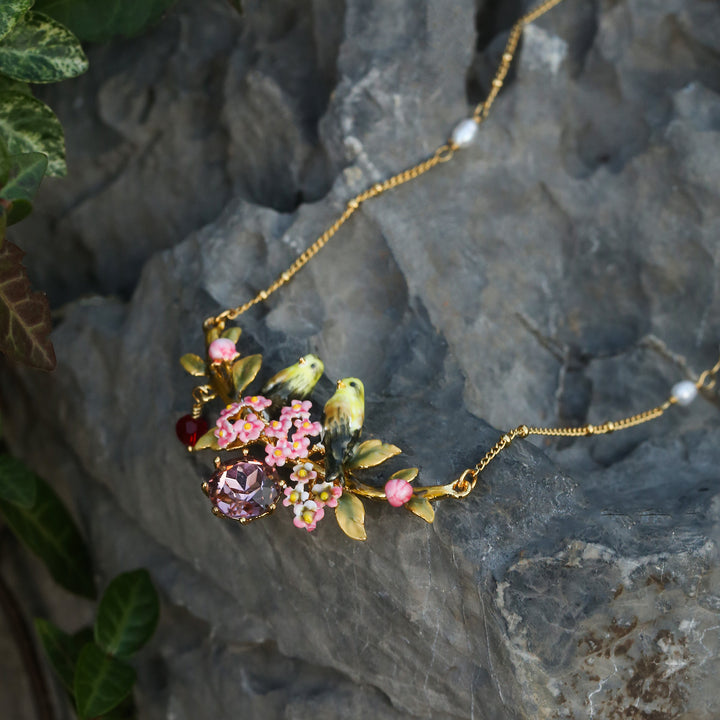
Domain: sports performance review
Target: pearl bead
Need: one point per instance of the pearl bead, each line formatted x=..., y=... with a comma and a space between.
x=684, y=392
x=464, y=133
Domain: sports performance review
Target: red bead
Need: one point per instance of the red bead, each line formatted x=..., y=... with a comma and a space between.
x=189, y=429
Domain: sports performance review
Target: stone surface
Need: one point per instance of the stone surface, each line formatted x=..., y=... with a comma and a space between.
x=563, y=268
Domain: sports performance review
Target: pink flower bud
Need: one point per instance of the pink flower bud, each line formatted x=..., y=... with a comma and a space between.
x=222, y=349
x=398, y=492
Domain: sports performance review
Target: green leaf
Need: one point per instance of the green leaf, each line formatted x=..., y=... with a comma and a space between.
x=232, y=333
x=208, y=440
x=10, y=12
x=25, y=323
x=48, y=530
x=371, y=453
x=101, y=682
x=244, y=372
x=18, y=484
x=408, y=474
x=193, y=364
x=350, y=514
x=5, y=162
x=61, y=649
x=126, y=710
x=101, y=20
x=9, y=85
x=41, y=50
x=128, y=614
x=421, y=507
x=26, y=174
x=28, y=125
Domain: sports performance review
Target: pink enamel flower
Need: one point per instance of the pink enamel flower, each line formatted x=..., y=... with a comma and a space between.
x=277, y=454
x=398, y=491
x=257, y=402
x=295, y=496
x=326, y=494
x=307, y=515
x=225, y=433
x=297, y=409
x=306, y=427
x=230, y=410
x=299, y=446
x=303, y=472
x=222, y=349
x=278, y=428
x=249, y=428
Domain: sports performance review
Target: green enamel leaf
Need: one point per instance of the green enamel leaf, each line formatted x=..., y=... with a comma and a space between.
x=244, y=371
x=350, y=514
x=26, y=173
x=18, y=484
x=128, y=614
x=408, y=474
x=212, y=334
x=10, y=12
x=193, y=364
x=28, y=125
x=61, y=649
x=208, y=440
x=233, y=334
x=421, y=507
x=48, y=530
x=371, y=453
x=101, y=20
x=41, y=50
x=101, y=682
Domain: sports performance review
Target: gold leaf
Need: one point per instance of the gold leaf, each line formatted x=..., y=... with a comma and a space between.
x=212, y=334
x=408, y=474
x=421, y=507
x=350, y=514
x=194, y=364
x=244, y=371
x=370, y=453
x=208, y=440
x=232, y=333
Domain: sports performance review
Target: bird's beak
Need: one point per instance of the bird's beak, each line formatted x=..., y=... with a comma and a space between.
x=340, y=384
x=301, y=361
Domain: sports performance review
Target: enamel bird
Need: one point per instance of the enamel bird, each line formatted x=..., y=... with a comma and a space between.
x=295, y=382
x=343, y=418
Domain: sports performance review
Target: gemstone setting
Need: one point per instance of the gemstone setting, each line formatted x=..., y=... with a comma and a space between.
x=243, y=490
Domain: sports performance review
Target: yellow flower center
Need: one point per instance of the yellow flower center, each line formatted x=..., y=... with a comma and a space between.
x=324, y=495
x=302, y=473
x=247, y=426
x=294, y=496
x=308, y=516
x=278, y=452
x=254, y=398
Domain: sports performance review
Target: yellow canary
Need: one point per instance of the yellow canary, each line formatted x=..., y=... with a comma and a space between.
x=343, y=418
x=295, y=382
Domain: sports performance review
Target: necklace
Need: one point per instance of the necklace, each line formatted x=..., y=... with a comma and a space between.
x=285, y=451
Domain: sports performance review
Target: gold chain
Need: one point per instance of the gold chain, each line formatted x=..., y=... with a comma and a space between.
x=466, y=482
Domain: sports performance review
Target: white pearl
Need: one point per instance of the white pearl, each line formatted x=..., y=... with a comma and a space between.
x=684, y=392
x=464, y=133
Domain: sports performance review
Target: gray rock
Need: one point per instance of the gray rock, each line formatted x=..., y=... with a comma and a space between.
x=564, y=269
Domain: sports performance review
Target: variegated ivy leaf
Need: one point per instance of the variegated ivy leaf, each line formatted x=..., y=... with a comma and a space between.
x=408, y=474
x=10, y=12
x=244, y=371
x=421, y=507
x=350, y=514
x=26, y=172
x=233, y=334
x=208, y=440
x=28, y=125
x=41, y=50
x=371, y=453
x=193, y=364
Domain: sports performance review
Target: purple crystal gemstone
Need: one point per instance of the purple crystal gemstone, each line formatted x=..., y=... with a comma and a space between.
x=244, y=490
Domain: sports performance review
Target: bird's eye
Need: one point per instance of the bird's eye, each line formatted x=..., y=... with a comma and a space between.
x=353, y=384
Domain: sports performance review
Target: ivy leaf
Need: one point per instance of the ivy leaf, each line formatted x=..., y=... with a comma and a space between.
x=10, y=12
x=232, y=333
x=26, y=173
x=128, y=614
x=244, y=372
x=408, y=474
x=370, y=453
x=18, y=484
x=9, y=85
x=350, y=514
x=99, y=21
x=61, y=649
x=24, y=314
x=101, y=682
x=48, y=530
x=421, y=507
x=5, y=162
x=41, y=50
x=193, y=364
x=28, y=125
